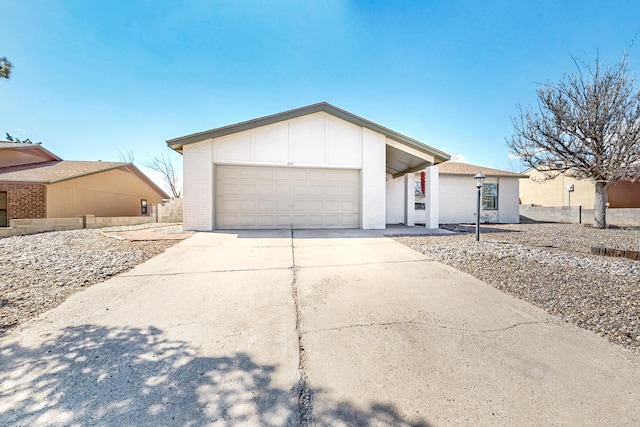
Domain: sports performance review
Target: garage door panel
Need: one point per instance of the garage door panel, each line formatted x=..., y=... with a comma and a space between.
x=317, y=220
x=299, y=221
x=263, y=221
x=349, y=191
x=262, y=173
x=349, y=221
x=315, y=175
x=228, y=172
x=316, y=206
x=282, y=220
x=316, y=191
x=331, y=190
x=228, y=188
x=276, y=197
x=247, y=173
x=282, y=206
x=265, y=205
x=265, y=188
x=300, y=206
x=300, y=190
x=332, y=221
x=228, y=205
x=347, y=206
x=245, y=220
x=247, y=206
x=281, y=174
x=281, y=189
x=227, y=221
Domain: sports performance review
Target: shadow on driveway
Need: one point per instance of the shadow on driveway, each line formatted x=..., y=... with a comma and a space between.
x=94, y=375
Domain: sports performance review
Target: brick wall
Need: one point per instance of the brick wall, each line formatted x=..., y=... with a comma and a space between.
x=25, y=200
x=563, y=214
x=170, y=211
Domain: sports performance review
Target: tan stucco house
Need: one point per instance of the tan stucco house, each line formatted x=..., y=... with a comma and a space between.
x=555, y=192
x=35, y=183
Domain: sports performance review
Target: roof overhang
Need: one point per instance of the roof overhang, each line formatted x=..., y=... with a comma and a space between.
x=402, y=159
x=416, y=154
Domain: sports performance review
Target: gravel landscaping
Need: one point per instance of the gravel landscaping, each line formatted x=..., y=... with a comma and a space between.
x=40, y=271
x=550, y=266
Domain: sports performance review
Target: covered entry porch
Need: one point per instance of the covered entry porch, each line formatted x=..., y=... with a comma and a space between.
x=402, y=164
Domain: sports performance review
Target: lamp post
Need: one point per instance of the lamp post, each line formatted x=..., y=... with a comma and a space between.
x=479, y=177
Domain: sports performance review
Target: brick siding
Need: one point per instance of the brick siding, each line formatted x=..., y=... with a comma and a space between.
x=25, y=200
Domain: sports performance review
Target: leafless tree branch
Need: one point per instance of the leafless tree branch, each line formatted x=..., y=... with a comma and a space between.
x=587, y=125
x=126, y=157
x=164, y=165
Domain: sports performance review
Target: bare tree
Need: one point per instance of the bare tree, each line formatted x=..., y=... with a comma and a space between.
x=164, y=165
x=5, y=68
x=126, y=157
x=587, y=126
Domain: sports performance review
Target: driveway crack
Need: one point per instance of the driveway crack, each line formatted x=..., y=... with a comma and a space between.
x=430, y=325
x=304, y=398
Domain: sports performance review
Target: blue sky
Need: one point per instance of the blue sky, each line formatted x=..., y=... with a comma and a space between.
x=94, y=78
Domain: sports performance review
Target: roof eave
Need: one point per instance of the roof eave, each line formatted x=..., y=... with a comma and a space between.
x=80, y=175
x=34, y=146
x=177, y=143
x=487, y=175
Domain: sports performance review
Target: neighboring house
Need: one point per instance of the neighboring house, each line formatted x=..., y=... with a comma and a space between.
x=312, y=167
x=458, y=195
x=35, y=183
x=555, y=192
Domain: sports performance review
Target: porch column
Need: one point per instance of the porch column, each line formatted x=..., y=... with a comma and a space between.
x=431, y=204
x=409, y=199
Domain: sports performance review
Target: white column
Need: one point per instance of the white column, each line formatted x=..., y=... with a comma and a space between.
x=409, y=199
x=197, y=160
x=373, y=180
x=431, y=204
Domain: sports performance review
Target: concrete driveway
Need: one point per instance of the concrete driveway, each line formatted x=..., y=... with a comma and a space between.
x=328, y=328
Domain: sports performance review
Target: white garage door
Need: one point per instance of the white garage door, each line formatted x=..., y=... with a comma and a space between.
x=272, y=197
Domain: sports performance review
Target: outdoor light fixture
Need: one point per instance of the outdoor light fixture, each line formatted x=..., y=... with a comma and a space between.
x=479, y=177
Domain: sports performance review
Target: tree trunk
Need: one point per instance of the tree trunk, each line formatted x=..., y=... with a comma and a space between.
x=600, y=205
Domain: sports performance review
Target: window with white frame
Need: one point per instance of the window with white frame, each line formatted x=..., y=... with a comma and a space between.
x=490, y=197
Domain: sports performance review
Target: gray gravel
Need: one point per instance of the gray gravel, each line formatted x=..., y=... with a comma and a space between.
x=40, y=271
x=550, y=266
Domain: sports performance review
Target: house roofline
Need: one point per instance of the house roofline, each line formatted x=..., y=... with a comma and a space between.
x=32, y=146
x=133, y=168
x=177, y=143
x=129, y=166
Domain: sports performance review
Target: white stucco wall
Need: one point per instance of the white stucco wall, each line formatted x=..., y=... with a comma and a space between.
x=432, y=199
x=508, y=205
x=373, y=180
x=315, y=140
x=458, y=198
x=198, y=186
x=395, y=200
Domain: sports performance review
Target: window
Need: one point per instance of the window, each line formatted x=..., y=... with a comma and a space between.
x=490, y=197
x=143, y=206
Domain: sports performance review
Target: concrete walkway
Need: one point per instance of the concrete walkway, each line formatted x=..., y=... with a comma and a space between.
x=331, y=328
